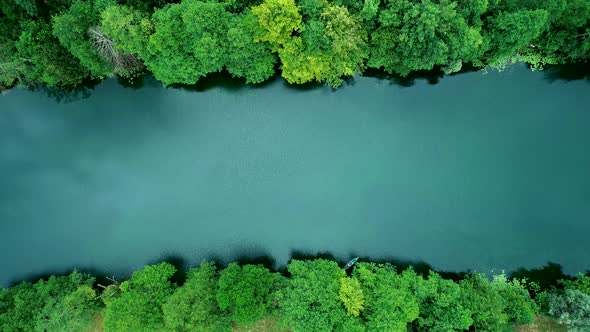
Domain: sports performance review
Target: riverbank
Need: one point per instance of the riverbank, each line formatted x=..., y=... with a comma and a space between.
x=310, y=295
x=63, y=44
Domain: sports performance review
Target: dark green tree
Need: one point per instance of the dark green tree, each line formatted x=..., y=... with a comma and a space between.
x=389, y=302
x=193, y=307
x=72, y=28
x=138, y=307
x=190, y=41
x=421, y=35
x=40, y=58
x=247, y=58
x=440, y=303
x=65, y=303
x=310, y=300
x=511, y=34
x=247, y=292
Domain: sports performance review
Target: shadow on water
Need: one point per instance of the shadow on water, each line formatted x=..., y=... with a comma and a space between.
x=569, y=72
x=223, y=79
x=66, y=95
x=546, y=277
x=431, y=76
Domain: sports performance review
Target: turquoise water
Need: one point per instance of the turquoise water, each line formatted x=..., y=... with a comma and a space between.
x=480, y=171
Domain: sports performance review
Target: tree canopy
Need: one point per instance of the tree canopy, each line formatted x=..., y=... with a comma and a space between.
x=312, y=295
x=60, y=43
x=138, y=307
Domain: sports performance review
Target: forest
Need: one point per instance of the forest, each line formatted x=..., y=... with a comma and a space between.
x=64, y=43
x=310, y=295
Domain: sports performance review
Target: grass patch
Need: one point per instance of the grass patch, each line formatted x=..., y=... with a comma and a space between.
x=542, y=324
x=267, y=324
x=98, y=325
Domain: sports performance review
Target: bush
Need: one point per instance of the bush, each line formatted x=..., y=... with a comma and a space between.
x=571, y=307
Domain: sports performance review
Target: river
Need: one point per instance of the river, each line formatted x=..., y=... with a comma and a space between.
x=486, y=172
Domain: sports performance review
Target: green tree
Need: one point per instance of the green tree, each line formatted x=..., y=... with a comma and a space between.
x=190, y=41
x=581, y=283
x=19, y=307
x=129, y=29
x=332, y=45
x=12, y=67
x=246, y=292
x=193, y=307
x=389, y=302
x=279, y=19
x=567, y=38
x=64, y=303
x=440, y=303
x=72, y=30
x=139, y=305
x=40, y=58
x=510, y=34
x=351, y=295
x=518, y=305
x=351, y=324
x=420, y=35
x=246, y=58
x=74, y=312
x=310, y=300
x=484, y=302
x=30, y=6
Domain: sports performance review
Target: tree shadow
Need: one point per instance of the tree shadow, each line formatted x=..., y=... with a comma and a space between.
x=568, y=72
x=546, y=276
x=67, y=94
x=221, y=79
x=432, y=77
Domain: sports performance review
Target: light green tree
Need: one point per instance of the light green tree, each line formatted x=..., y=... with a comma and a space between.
x=351, y=295
x=279, y=19
x=129, y=29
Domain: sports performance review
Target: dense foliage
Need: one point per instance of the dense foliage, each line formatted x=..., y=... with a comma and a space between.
x=62, y=42
x=313, y=295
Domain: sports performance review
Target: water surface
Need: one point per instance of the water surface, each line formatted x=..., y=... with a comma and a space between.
x=481, y=171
